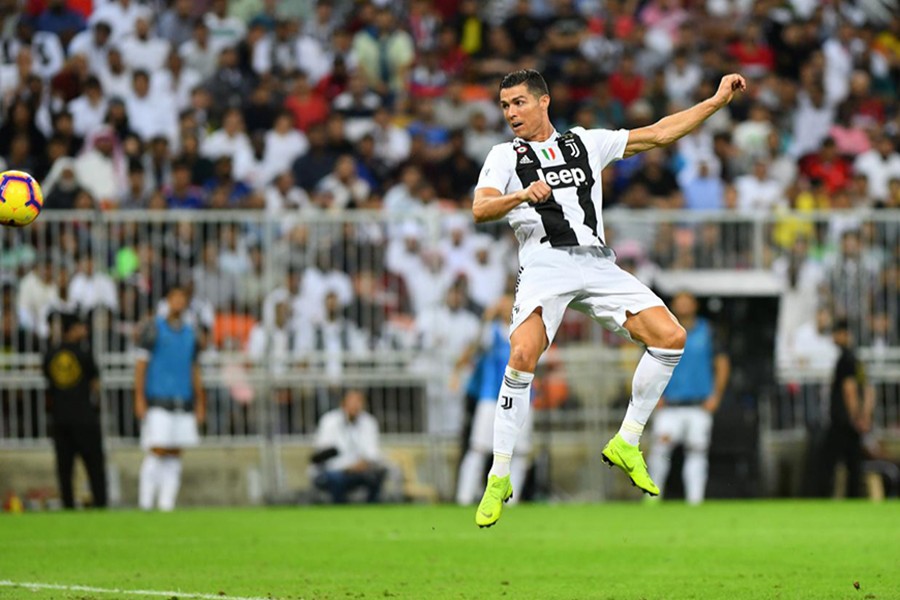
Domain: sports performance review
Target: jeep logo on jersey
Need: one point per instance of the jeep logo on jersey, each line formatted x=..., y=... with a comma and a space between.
x=558, y=177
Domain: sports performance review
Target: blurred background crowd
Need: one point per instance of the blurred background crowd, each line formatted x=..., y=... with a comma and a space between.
x=344, y=137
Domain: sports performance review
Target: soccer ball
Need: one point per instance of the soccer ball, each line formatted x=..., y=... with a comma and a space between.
x=21, y=199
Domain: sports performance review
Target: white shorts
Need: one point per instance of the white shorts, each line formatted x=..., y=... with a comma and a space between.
x=482, y=437
x=586, y=279
x=169, y=429
x=688, y=425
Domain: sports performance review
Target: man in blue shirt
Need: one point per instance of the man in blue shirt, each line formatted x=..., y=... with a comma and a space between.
x=169, y=400
x=686, y=409
x=59, y=19
x=703, y=190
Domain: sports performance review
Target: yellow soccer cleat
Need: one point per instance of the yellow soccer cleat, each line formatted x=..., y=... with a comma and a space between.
x=620, y=453
x=498, y=491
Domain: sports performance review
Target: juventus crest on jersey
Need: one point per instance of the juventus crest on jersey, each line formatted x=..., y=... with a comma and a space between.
x=570, y=163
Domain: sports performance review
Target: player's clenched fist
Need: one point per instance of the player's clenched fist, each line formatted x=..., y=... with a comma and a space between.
x=536, y=193
x=728, y=86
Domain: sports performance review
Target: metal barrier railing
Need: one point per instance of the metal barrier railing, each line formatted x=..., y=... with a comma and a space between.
x=382, y=283
x=801, y=401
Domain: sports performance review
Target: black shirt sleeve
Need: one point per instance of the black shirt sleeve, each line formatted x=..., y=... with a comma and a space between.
x=846, y=367
x=90, y=366
x=45, y=365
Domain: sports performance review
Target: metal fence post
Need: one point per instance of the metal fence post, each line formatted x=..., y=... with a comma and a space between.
x=273, y=485
x=759, y=241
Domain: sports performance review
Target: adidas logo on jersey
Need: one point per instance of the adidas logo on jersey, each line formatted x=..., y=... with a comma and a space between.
x=525, y=160
x=572, y=177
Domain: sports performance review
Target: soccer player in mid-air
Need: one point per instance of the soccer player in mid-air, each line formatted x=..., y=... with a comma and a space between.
x=548, y=184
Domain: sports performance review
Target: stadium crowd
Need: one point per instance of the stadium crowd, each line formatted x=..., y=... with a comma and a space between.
x=300, y=110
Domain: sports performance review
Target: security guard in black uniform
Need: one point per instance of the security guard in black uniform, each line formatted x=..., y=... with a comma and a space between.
x=852, y=401
x=72, y=381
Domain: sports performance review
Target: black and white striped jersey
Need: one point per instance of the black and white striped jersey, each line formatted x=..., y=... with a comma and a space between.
x=570, y=163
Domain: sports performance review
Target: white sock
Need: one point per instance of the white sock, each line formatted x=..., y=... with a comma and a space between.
x=517, y=475
x=513, y=405
x=148, y=483
x=500, y=466
x=170, y=482
x=650, y=380
x=471, y=471
x=696, y=469
x=659, y=461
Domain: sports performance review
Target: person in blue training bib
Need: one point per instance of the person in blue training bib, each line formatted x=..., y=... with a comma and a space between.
x=694, y=393
x=169, y=400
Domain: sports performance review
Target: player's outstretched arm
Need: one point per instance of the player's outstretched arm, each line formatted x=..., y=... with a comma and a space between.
x=491, y=204
x=674, y=127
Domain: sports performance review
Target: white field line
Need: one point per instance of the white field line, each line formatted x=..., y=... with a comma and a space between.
x=96, y=590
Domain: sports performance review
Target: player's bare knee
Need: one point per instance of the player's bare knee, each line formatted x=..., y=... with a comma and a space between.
x=674, y=338
x=524, y=357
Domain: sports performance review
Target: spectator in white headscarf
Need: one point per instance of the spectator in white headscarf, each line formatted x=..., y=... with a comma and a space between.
x=142, y=49
x=101, y=167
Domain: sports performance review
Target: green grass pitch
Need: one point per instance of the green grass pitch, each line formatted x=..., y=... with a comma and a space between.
x=722, y=550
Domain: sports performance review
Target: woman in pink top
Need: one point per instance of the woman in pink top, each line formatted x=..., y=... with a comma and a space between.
x=850, y=138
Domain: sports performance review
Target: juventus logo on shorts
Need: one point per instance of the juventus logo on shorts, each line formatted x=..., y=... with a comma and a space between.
x=507, y=402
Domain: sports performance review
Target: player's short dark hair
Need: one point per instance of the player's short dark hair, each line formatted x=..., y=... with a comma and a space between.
x=68, y=321
x=135, y=166
x=353, y=390
x=841, y=324
x=176, y=287
x=532, y=79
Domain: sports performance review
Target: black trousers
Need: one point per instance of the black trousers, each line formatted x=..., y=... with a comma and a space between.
x=843, y=444
x=82, y=440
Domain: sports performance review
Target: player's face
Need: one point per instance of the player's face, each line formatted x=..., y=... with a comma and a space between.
x=684, y=306
x=177, y=302
x=354, y=403
x=841, y=337
x=78, y=332
x=524, y=112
